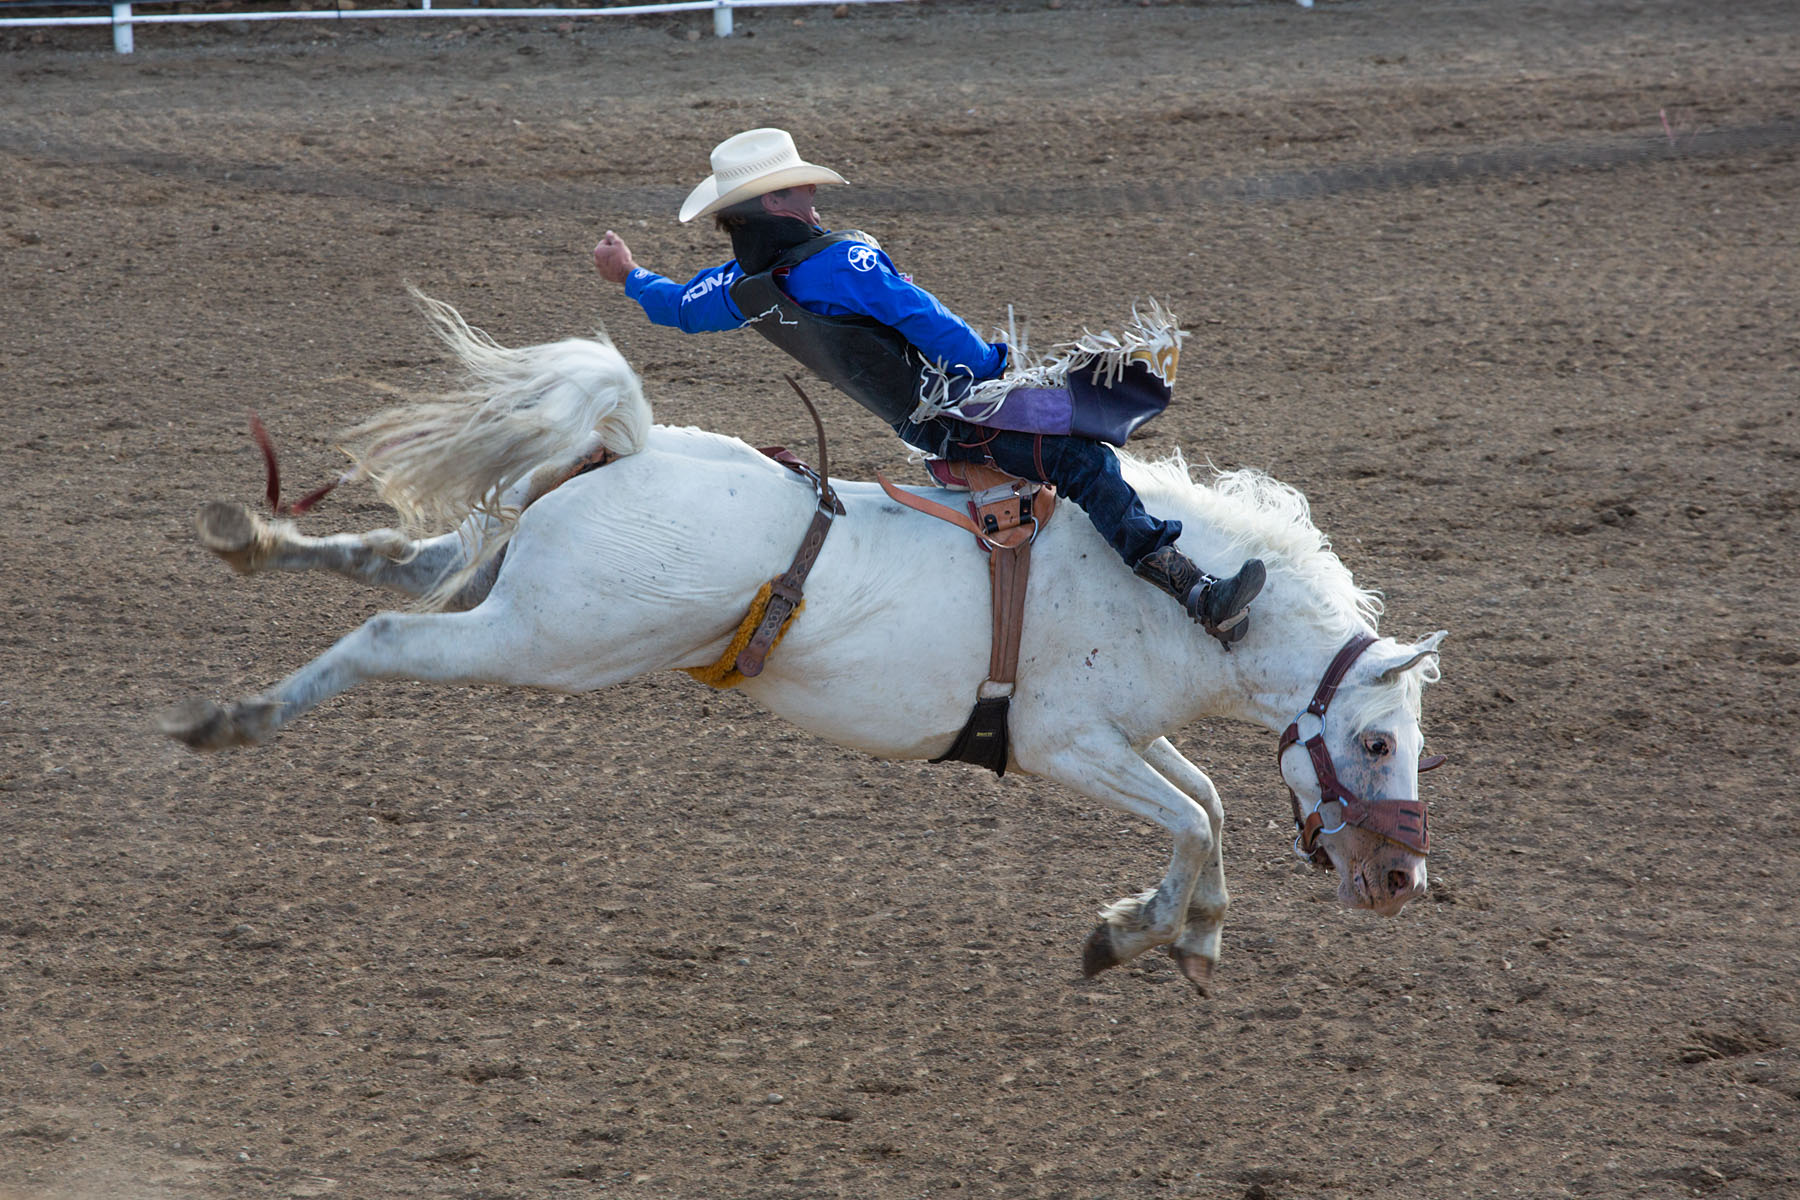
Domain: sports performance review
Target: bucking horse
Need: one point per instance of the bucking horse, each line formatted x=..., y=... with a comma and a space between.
x=554, y=576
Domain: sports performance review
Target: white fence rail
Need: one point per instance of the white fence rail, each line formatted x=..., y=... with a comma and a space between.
x=123, y=18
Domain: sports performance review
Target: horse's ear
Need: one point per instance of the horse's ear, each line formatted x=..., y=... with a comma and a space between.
x=1405, y=658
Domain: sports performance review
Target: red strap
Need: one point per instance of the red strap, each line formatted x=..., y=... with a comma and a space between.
x=1334, y=674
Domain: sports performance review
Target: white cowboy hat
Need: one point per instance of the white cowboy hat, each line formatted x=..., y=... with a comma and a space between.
x=751, y=164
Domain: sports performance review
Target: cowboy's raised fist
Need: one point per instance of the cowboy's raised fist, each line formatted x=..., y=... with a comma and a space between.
x=612, y=258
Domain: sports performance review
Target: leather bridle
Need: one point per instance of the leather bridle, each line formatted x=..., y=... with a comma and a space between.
x=1399, y=821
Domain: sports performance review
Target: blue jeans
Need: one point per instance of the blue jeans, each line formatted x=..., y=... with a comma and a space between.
x=1080, y=469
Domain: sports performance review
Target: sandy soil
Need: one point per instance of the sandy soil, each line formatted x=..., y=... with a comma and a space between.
x=1506, y=288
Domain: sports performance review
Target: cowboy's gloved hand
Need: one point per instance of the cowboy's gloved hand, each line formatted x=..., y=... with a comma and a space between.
x=612, y=258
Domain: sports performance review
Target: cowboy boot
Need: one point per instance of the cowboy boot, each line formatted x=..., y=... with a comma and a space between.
x=1221, y=606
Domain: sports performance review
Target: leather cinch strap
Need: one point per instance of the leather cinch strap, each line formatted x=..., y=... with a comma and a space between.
x=1004, y=514
x=787, y=587
x=1010, y=568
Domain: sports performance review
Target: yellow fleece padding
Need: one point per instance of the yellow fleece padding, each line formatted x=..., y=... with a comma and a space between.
x=724, y=673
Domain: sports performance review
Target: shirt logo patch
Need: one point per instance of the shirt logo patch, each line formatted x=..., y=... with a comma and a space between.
x=862, y=257
x=707, y=286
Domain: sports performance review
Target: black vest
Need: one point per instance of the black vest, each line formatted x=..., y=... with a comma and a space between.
x=869, y=362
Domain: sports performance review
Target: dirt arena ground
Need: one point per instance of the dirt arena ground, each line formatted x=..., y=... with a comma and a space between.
x=1507, y=288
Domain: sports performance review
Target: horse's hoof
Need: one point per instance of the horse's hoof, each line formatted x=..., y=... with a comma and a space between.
x=1099, y=953
x=208, y=726
x=1196, y=967
x=231, y=531
x=199, y=724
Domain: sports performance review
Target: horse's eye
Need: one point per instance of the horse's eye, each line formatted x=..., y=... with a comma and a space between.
x=1377, y=745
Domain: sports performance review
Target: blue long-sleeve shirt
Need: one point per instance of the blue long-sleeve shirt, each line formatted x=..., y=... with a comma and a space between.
x=846, y=279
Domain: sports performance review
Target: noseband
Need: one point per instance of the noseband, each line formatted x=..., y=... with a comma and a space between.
x=1400, y=821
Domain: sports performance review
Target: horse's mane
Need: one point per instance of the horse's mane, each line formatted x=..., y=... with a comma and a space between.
x=1253, y=514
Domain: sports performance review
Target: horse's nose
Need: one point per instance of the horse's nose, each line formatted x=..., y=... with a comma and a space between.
x=1404, y=882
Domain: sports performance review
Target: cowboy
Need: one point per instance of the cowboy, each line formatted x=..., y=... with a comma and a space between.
x=836, y=303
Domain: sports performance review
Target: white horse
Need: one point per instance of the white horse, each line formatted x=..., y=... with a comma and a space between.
x=649, y=563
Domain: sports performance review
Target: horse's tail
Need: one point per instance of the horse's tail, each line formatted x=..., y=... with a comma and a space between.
x=441, y=461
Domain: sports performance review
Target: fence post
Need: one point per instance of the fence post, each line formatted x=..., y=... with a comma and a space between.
x=122, y=26
x=721, y=19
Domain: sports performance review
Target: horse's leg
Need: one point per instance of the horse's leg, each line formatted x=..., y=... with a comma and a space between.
x=488, y=645
x=383, y=558
x=1105, y=767
x=1196, y=951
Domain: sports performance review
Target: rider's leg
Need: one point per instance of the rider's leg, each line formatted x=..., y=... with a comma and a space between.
x=1087, y=472
x=1222, y=606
